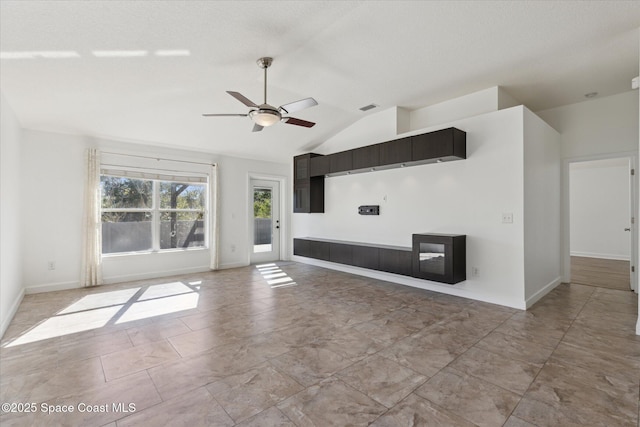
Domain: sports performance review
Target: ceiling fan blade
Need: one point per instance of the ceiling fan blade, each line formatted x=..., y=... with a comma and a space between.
x=225, y=115
x=298, y=122
x=257, y=127
x=246, y=101
x=298, y=105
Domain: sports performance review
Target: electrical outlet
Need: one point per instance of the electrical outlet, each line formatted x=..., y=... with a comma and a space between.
x=233, y=248
x=475, y=272
x=507, y=218
x=51, y=265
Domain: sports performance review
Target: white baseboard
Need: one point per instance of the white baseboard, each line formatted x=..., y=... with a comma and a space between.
x=51, y=287
x=542, y=292
x=463, y=289
x=602, y=256
x=233, y=265
x=12, y=312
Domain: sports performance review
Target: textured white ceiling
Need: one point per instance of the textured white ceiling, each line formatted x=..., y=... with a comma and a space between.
x=344, y=54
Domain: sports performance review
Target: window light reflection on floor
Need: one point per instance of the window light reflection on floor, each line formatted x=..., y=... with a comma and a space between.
x=115, y=307
x=275, y=277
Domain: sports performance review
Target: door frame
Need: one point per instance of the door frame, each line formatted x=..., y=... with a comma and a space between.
x=632, y=156
x=284, y=223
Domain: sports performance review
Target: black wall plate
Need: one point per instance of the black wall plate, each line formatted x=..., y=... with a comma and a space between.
x=369, y=210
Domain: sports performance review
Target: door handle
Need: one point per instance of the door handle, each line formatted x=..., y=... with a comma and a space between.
x=627, y=229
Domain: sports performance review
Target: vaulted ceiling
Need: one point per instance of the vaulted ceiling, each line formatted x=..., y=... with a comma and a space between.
x=145, y=71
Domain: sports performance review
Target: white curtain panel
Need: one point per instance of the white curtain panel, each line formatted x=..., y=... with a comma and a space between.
x=214, y=223
x=92, y=237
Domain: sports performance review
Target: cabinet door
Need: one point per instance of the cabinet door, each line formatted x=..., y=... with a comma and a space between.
x=395, y=261
x=395, y=152
x=366, y=157
x=432, y=145
x=301, y=198
x=341, y=253
x=319, y=166
x=366, y=257
x=341, y=162
x=320, y=250
x=316, y=195
x=301, y=247
x=301, y=167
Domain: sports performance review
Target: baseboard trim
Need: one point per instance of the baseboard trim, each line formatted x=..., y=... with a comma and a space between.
x=11, y=313
x=542, y=292
x=233, y=265
x=602, y=256
x=51, y=287
x=455, y=290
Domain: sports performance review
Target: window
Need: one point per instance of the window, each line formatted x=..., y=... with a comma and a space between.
x=140, y=214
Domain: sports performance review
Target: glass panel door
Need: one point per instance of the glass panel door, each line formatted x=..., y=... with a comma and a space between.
x=264, y=221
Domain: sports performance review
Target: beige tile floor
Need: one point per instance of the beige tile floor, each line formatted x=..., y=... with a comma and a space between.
x=247, y=347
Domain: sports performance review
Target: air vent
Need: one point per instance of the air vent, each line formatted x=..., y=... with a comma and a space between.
x=368, y=107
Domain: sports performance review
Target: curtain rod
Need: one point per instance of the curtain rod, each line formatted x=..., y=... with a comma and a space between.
x=160, y=158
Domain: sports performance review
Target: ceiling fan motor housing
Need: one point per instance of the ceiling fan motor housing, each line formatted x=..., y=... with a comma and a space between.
x=265, y=115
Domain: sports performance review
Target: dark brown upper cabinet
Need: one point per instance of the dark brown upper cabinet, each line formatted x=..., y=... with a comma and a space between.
x=309, y=170
x=341, y=162
x=301, y=167
x=319, y=166
x=366, y=157
x=308, y=192
x=445, y=144
x=395, y=152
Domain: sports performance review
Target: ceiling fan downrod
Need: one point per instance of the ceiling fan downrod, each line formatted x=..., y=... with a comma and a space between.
x=264, y=63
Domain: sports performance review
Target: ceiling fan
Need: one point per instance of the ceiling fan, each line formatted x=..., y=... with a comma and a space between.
x=264, y=115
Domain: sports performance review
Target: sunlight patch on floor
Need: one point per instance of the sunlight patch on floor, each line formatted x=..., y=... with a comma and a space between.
x=115, y=307
x=275, y=277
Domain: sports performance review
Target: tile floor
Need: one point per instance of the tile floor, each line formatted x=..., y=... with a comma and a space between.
x=246, y=347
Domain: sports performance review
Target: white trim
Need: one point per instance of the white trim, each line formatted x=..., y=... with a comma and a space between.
x=51, y=287
x=602, y=256
x=233, y=265
x=284, y=216
x=413, y=282
x=565, y=207
x=11, y=313
x=542, y=292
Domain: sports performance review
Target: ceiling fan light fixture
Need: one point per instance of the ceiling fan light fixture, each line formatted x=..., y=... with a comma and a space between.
x=265, y=117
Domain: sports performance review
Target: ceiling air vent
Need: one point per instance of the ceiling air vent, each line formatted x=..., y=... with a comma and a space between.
x=368, y=107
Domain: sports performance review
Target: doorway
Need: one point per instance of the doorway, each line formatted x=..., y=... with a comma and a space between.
x=264, y=220
x=601, y=228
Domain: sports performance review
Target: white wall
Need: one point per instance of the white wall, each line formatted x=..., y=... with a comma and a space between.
x=542, y=177
x=599, y=209
x=466, y=197
x=11, y=289
x=484, y=101
x=596, y=126
x=380, y=126
x=53, y=171
x=234, y=188
x=594, y=129
x=52, y=175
